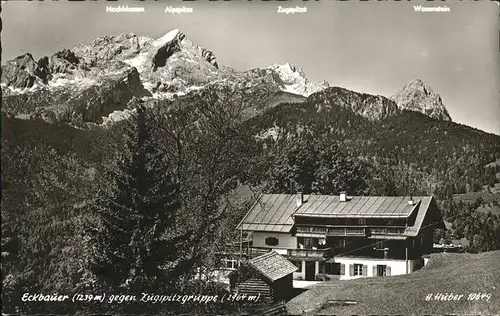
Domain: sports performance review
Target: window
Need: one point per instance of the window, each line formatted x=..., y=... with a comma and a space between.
x=307, y=242
x=271, y=241
x=322, y=242
x=230, y=263
x=339, y=243
x=381, y=270
x=298, y=264
x=358, y=269
x=330, y=268
x=356, y=222
x=300, y=242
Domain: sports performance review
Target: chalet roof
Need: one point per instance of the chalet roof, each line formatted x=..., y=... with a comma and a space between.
x=421, y=210
x=358, y=206
x=271, y=212
x=274, y=212
x=272, y=265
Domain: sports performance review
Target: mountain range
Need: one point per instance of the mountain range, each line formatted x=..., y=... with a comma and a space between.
x=409, y=135
x=96, y=83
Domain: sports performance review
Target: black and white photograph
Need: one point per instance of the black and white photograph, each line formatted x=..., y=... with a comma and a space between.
x=250, y=157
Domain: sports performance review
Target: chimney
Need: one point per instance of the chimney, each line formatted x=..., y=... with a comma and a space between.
x=300, y=198
x=343, y=196
x=410, y=201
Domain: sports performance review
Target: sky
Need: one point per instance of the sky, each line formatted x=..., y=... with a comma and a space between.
x=371, y=47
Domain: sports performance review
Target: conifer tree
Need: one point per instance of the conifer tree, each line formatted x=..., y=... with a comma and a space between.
x=134, y=212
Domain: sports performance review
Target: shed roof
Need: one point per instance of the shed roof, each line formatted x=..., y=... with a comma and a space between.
x=273, y=266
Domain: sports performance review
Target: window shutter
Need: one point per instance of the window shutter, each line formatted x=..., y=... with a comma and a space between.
x=351, y=269
x=342, y=269
x=364, y=270
x=375, y=271
x=388, y=271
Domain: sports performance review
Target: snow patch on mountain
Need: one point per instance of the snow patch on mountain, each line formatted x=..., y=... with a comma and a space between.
x=168, y=37
x=178, y=93
x=138, y=61
x=62, y=81
x=9, y=90
x=116, y=116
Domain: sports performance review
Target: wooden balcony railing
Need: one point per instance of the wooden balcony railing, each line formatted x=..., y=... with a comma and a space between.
x=351, y=231
x=311, y=229
x=303, y=253
x=387, y=231
x=335, y=231
x=309, y=253
x=347, y=231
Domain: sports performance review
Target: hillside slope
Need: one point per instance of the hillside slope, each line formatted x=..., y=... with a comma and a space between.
x=421, y=154
x=406, y=294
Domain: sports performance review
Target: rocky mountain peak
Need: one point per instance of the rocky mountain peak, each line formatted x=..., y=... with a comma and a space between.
x=25, y=61
x=20, y=72
x=288, y=69
x=166, y=46
x=62, y=62
x=294, y=80
x=175, y=42
x=418, y=96
x=106, y=48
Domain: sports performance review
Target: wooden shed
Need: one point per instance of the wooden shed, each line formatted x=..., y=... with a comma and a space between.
x=269, y=276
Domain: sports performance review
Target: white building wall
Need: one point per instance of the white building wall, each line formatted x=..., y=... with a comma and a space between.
x=398, y=267
x=285, y=240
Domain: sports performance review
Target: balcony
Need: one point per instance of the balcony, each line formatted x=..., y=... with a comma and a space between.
x=352, y=231
x=308, y=253
x=301, y=253
x=347, y=231
x=311, y=229
x=333, y=231
x=387, y=231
